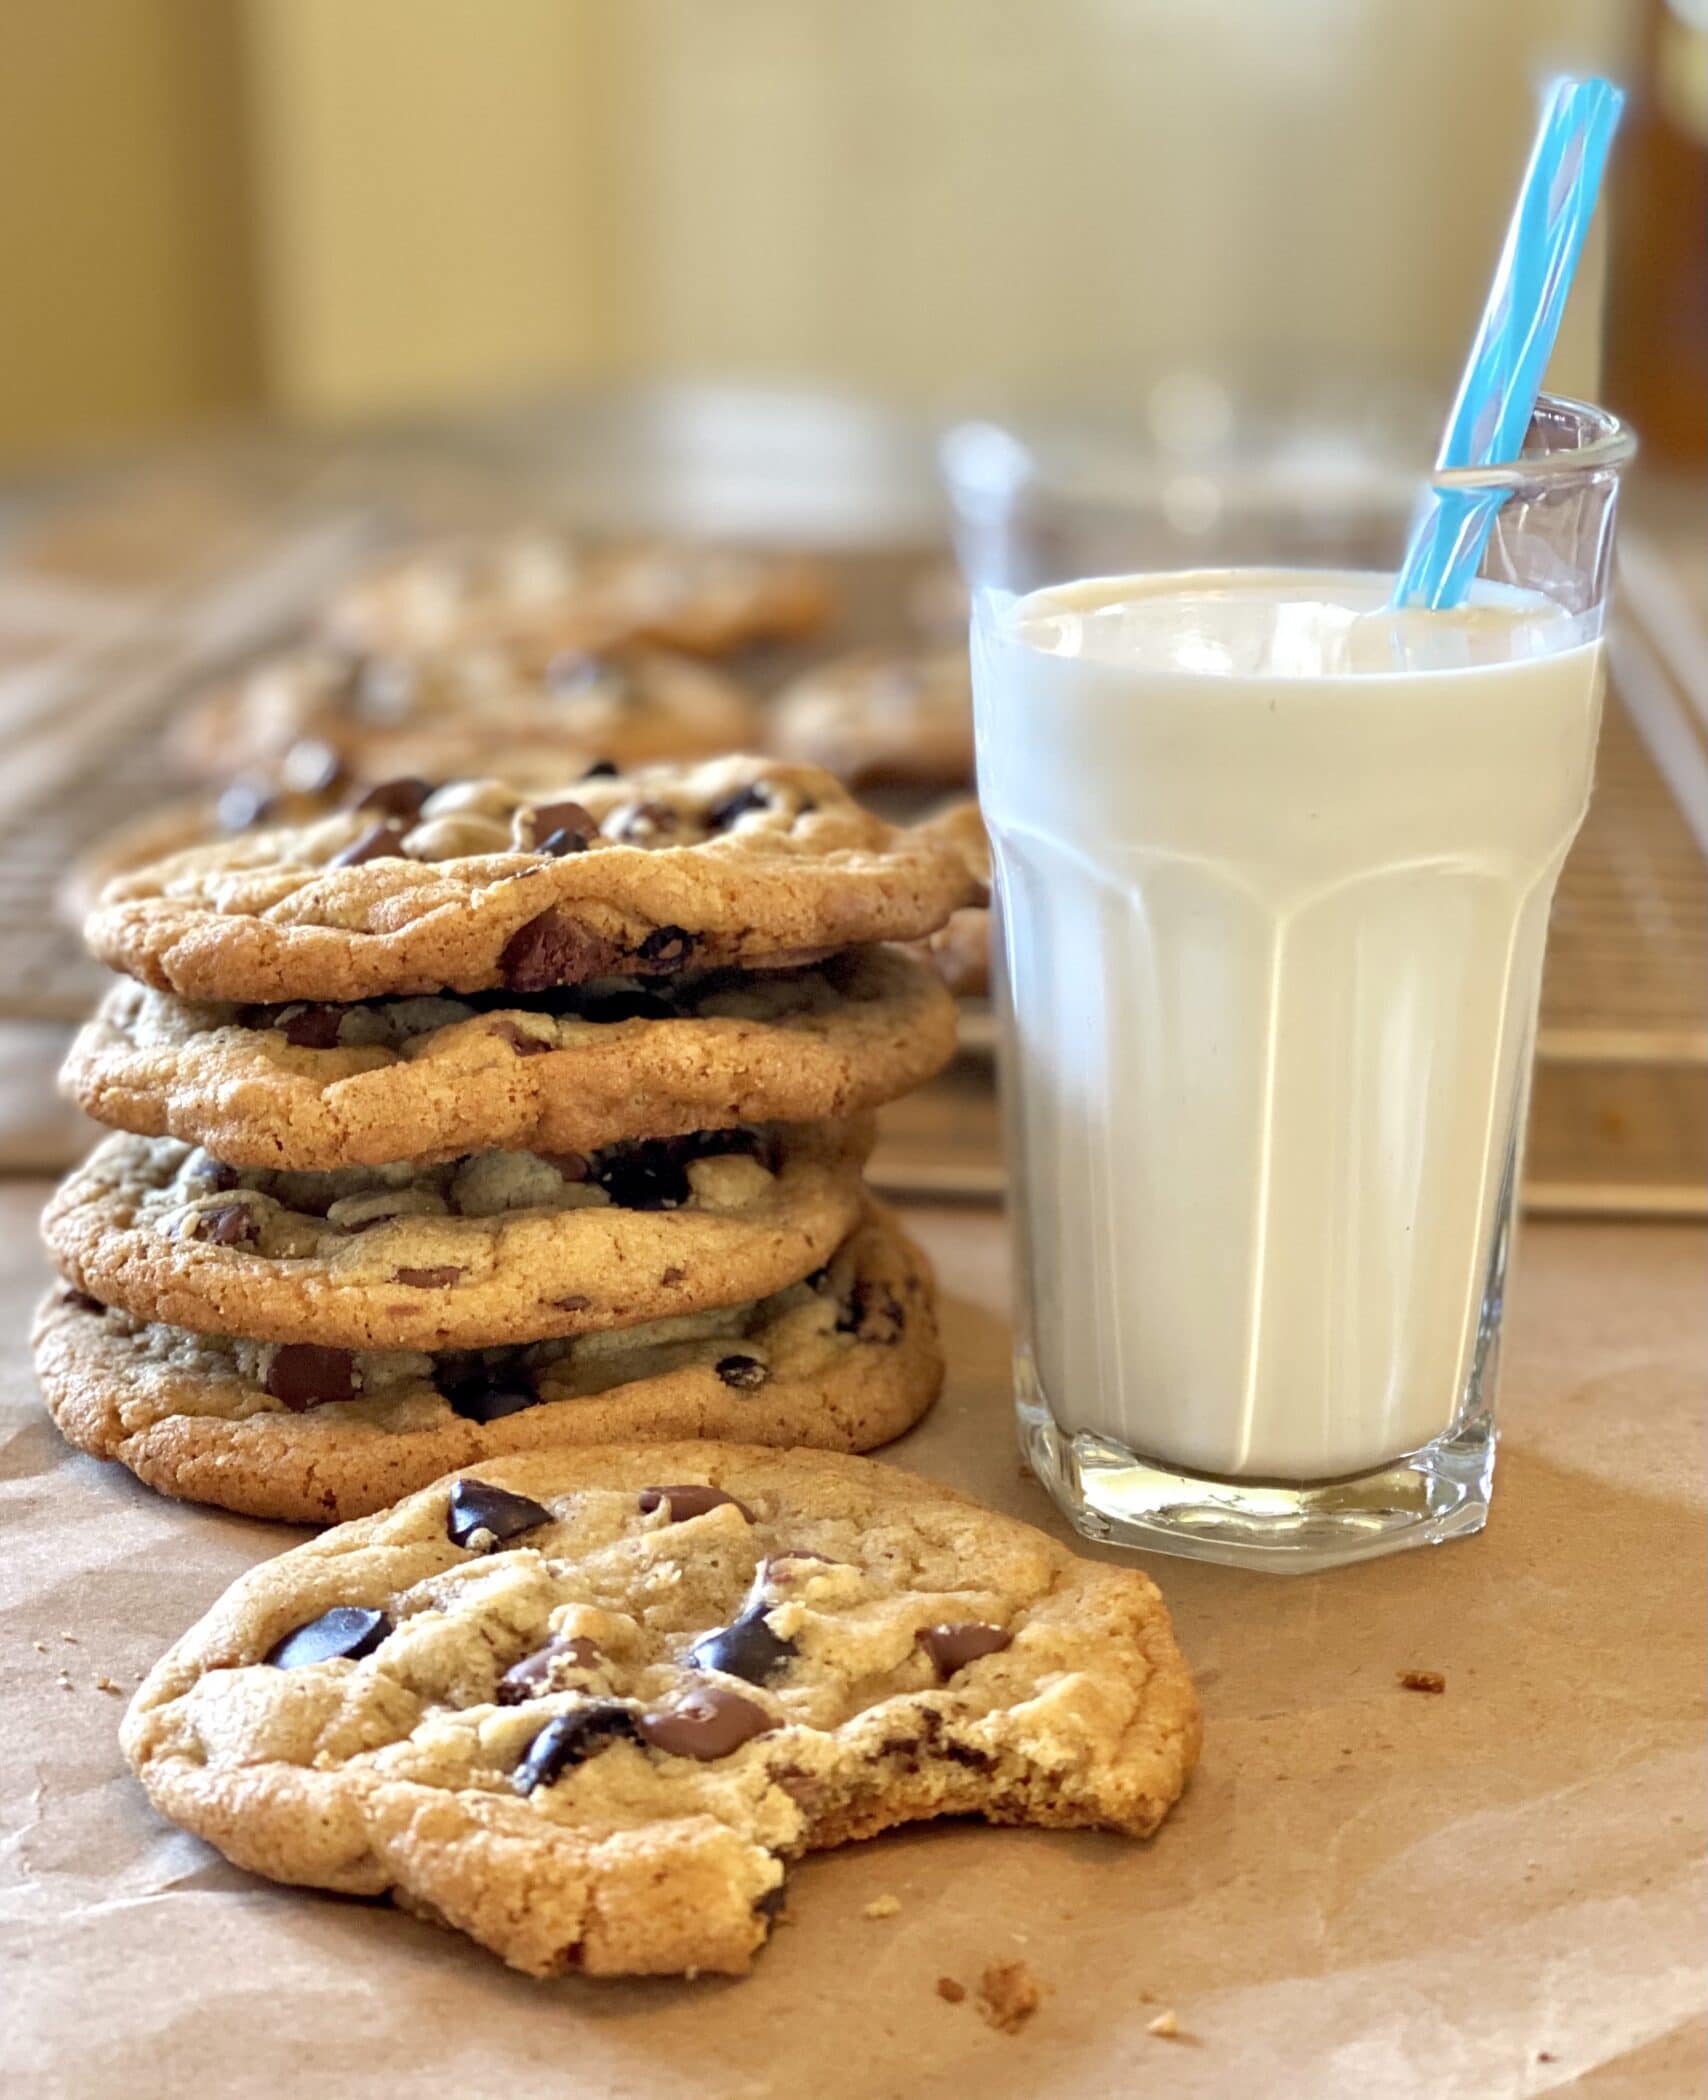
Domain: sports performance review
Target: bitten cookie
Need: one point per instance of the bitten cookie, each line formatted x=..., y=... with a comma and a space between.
x=316, y=1087
x=844, y=1360
x=479, y=711
x=464, y=1255
x=737, y=862
x=586, y=1706
x=537, y=591
x=883, y=718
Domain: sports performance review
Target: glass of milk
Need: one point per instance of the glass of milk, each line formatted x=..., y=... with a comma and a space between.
x=1274, y=866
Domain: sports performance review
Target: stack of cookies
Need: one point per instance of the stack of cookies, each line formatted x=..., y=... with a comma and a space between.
x=471, y=1121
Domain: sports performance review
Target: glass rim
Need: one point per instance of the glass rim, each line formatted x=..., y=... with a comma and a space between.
x=1613, y=445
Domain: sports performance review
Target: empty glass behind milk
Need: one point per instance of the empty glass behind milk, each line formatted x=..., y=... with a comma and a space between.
x=1273, y=864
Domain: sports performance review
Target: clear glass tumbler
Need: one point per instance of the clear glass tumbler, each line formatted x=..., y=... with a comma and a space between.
x=1273, y=872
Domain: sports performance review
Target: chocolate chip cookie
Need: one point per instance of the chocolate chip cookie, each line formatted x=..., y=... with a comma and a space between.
x=739, y=862
x=538, y=591
x=586, y=1706
x=475, y=711
x=843, y=1360
x=883, y=718
x=315, y=1087
x=959, y=951
x=470, y=1253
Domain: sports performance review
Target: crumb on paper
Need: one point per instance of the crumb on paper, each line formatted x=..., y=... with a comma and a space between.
x=39, y=1646
x=950, y=1991
x=882, y=1907
x=1423, y=1681
x=71, y=1637
x=109, y=1684
x=1008, y=1996
x=1166, y=2026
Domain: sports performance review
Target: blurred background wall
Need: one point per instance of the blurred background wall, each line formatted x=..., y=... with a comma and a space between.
x=353, y=207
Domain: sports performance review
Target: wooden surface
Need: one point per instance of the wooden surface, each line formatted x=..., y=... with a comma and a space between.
x=1489, y=1894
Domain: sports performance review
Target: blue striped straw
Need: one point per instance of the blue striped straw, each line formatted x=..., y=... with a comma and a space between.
x=1503, y=375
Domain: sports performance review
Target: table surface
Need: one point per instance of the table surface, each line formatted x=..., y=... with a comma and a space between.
x=1494, y=1892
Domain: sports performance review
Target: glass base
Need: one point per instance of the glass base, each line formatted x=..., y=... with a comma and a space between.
x=1117, y=1498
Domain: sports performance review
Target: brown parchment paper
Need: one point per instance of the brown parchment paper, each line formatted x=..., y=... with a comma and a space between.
x=1368, y=1891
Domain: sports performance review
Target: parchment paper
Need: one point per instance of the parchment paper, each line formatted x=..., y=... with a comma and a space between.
x=1367, y=1891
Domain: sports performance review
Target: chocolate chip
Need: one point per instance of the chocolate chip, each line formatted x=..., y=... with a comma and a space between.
x=570, y=1740
x=721, y=815
x=576, y=1301
x=705, y=1724
x=439, y=1279
x=557, y=828
x=643, y=822
x=310, y=1027
x=379, y=842
x=554, y=949
x=244, y=804
x=601, y=769
x=401, y=798
x=746, y=1647
x=745, y=1373
x=667, y=947
x=873, y=1314
x=482, y=1392
x=345, y=1630
x=536, y=1674
x=951, y=1648
x=226, y=1225
x=476, y=1506
x=306, y=1374
x=694, y=1500
x=671, y=1277
x=80, y=1301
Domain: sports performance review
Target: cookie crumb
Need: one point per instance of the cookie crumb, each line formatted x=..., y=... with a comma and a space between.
x=39, y=1646
x=950, y=1991
x=882, y=1907
x=1008, y=1996
x=71, y=1637
x=1166, y=2026
x=1422, y=1681
x=109, y=1684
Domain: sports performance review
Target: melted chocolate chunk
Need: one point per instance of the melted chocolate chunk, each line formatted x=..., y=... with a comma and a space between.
x=745, y=1373
x=553, y=949
x=345, y=1630
x=547, y=823
x=721, y=815
x=378, y=842
x=476, y=1506
x=667, y=947
x=873, y=1313
x=226, y=1225
x=746, y=1647
x=705, y=1724
x=951, y=1648
x=692, y=1500
x=310, y=1027
x=401, y=798
x=537, y=1674
x=305, y=1375
x=570, y=1740
x=483, y=1392
x=436, y=1279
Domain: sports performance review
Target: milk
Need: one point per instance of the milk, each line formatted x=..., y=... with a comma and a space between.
x=1274, y=866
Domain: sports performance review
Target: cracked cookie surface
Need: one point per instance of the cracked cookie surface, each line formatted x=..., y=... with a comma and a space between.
x=586, y=1705
x=309, y=1086
x=842, y=1361
x=736, y=862
x=470, y=1253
